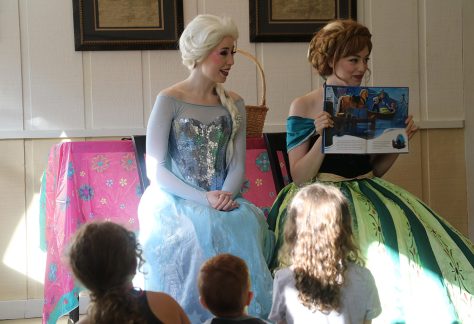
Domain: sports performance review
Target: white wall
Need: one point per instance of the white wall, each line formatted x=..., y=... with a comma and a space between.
x=468, y=79
x=48, y=89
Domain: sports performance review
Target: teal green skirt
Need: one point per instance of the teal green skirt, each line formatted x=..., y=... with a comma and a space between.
x=423, y=267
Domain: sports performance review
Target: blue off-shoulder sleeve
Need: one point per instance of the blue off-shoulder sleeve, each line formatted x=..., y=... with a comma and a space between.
x=298, y=130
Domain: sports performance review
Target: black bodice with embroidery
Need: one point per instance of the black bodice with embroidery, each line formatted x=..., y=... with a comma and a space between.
x=346, y=165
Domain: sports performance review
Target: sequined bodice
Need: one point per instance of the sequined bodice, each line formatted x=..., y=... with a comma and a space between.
x=198, y=150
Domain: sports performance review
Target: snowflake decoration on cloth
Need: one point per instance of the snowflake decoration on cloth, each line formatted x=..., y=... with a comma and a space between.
x=123, y=182
x=53, y=270
x=128, y=162
x=86, y=192
x=100, y=163
x=262, y=161
x=70, y=170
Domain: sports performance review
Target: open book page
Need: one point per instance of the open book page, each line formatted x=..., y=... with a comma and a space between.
x=366, y=120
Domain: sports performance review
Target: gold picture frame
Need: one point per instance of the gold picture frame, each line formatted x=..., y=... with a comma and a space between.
x=295, y=21
x=101, y=25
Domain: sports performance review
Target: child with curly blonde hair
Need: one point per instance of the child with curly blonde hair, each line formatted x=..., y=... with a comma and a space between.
x=325, y=282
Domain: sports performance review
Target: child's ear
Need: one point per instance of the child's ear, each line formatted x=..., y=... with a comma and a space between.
x=249, y=298
x=203, y=302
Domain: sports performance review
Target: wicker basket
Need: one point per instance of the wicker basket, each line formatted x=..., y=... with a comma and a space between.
x=256, y=114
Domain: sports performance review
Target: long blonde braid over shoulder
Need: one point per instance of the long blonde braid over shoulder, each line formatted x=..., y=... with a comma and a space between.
x=229, y=103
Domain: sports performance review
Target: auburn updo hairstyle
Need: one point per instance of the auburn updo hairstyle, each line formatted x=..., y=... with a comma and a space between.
x=336, y=40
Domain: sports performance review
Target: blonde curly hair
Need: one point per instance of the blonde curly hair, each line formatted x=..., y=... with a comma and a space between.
x=318, y=235
x=338, y=39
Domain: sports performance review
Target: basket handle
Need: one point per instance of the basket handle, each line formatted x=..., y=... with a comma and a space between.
x=260, y=70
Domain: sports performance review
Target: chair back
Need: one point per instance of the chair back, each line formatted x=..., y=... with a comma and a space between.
x=139, y=144
x=275, y=143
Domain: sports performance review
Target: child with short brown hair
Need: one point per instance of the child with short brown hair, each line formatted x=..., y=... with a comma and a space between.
x=224, y=288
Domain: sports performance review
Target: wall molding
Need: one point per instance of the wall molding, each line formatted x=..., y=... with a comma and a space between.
x=31, y=308
x=71, y=133
x=422, y=124
x=439, y=124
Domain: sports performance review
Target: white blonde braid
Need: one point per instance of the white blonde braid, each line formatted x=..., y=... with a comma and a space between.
x=198, y=39
x=229, y=103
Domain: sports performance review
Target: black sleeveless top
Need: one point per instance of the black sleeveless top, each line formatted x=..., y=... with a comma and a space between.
x=241, y=320
x=145, y=308
x=344, y=165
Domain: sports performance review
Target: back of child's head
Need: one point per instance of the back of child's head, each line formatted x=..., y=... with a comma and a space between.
x=224, y=284
x=318, y=237
x=103, y=256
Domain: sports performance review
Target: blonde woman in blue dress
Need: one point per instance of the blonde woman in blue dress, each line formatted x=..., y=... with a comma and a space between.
x=422, y=266
x=195, y=161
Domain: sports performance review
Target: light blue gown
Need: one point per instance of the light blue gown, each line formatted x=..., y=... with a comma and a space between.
x=186, y=149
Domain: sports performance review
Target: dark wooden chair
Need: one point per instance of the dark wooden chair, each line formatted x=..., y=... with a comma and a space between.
x=276, y=142
x=277, y=153
x=139, y=144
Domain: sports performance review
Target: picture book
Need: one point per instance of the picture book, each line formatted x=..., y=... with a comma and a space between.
x=366, y=120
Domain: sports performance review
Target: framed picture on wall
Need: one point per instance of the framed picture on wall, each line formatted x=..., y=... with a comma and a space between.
x=102, y=25
x=295, y=21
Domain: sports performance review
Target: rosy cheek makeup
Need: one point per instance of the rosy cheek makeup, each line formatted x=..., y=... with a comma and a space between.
x=216, y=57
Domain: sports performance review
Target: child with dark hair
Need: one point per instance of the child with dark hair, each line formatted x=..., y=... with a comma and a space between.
x=104, y=257
x=224, y=288
x=325, y=283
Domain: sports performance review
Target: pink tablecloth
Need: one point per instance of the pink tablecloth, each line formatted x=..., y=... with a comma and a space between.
x=87, y=181
x=258, y=186
x=84, y=181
